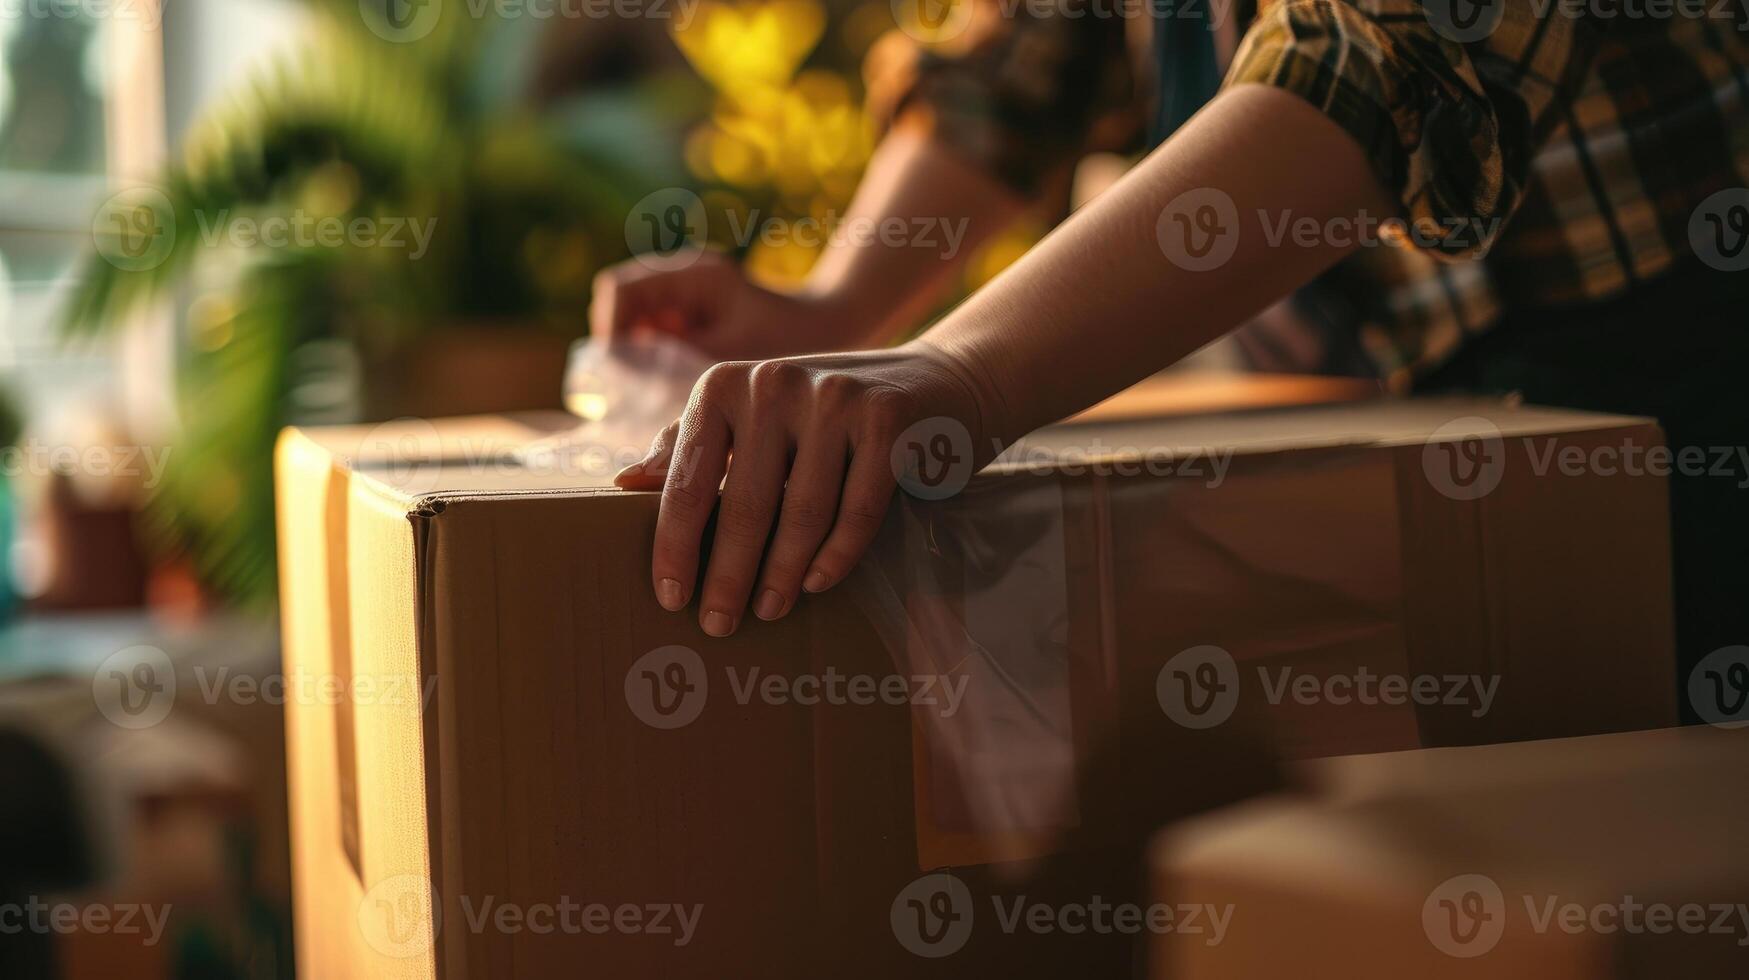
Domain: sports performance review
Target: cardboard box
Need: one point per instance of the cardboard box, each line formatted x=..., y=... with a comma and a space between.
x=1612, y=857
x=488, y=710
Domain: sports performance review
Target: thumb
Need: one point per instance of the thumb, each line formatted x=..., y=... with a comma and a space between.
x=651, y=472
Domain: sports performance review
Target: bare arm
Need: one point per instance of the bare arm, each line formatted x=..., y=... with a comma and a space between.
x=926, y=188
x=1100, y=304
x=1096, y=306
x=918, y=215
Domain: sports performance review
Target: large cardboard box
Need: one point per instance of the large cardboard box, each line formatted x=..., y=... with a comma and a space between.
x=1612, y=857
x=507, y=760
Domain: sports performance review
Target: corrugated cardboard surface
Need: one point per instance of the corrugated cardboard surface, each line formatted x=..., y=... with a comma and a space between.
x=1336, y=883
x=520, y=601
x=358, y=795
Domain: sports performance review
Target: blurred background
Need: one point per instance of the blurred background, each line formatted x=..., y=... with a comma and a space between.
x=222, y=217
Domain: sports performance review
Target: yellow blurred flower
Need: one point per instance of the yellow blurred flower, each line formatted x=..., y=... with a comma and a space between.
x=775, y=126
x=747, y=45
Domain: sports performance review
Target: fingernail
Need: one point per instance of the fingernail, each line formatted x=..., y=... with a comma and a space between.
x=817, y=581
x=669, y=594
x=718, y=623
x=636, y=469
x=770, y=605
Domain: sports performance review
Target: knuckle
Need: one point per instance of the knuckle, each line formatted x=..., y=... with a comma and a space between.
x=839, y=388
x=770, y=377
x=784, y=570
x=862, y=517
x=720, y=380
x=742, y=521
x=683, y=495
x=886, y=411
x=607, y=280
x=807, y=515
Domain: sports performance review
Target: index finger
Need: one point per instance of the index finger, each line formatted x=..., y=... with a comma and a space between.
x=689, y=494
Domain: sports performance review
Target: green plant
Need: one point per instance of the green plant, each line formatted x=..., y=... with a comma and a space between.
x=525, y=204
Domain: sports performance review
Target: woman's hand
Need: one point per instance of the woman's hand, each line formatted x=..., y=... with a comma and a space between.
x=705, y=299
x=807, y=444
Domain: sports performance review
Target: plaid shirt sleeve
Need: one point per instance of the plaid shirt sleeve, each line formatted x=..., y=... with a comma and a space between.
x=1450, y=127
x=1019, y=93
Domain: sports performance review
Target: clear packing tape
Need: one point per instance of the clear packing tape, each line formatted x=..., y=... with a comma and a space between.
x=1019, y=592
x=623, y=395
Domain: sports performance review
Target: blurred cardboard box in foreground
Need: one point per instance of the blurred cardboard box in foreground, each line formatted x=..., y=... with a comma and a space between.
x=1613, y=857
x=506, y=758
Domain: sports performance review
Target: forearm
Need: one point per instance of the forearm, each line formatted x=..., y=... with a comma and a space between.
x=1100, y=293
x=918, y=215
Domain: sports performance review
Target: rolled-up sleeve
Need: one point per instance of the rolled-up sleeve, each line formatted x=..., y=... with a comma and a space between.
x=1449, y=127
x=1019, y=96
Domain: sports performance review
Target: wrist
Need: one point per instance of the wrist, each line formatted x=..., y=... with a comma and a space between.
x=986, y=410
